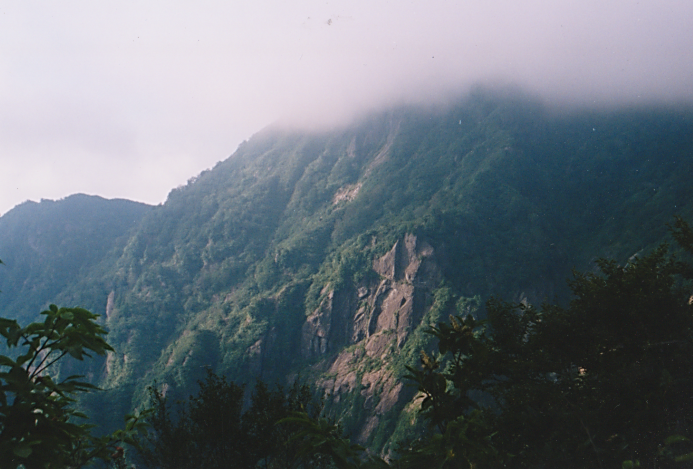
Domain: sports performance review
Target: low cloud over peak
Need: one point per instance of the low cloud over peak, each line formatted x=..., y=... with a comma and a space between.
x=130, y=100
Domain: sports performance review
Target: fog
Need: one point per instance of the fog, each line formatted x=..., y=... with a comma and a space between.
x=133, y=98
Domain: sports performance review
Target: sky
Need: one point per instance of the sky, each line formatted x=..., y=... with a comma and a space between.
x=130, y=99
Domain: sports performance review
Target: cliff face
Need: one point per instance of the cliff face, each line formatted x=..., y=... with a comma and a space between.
x=326, y=256
x=372, y=323
x=368, y=313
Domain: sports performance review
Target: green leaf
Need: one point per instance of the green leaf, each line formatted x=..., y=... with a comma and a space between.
x=6, y=361
x=23, y=451
x=33, y=328
x=4, y=322
x=675, y=439
x=24, y=358
x=684, y=457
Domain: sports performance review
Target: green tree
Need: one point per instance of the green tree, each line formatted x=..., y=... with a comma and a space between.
x=273, y=442
x=604, y=380
x=39, y=425
x=322, y=441
x=206, y=432
x=212, y=430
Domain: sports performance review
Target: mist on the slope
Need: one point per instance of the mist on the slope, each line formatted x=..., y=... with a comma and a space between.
x=132, y=99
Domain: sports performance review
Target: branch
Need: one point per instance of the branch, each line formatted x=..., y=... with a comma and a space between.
x=40, y=369
x=43, y=346
x=594, y=446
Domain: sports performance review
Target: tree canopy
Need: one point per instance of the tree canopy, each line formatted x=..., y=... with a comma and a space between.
x=603, y=382
x=39, y=424
x=217, y=428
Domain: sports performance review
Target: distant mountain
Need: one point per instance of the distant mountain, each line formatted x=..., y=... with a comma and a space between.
x=52, y=249
x=327, y=255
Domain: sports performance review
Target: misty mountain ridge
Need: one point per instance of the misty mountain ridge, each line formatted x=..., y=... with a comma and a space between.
x=326, y=255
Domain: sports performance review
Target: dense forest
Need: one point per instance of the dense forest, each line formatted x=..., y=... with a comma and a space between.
x=330, y=258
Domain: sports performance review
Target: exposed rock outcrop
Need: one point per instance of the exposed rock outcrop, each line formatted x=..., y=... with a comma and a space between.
x=316, y=330
x=378, y=319
x=110, y=303
x=346, y=193
x=326, y=329
x=396, y=303
x=409, y=273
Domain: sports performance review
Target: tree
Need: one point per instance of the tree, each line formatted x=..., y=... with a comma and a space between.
x=206, y=432
x=322, y=439
x=606, y=379
x=39, y=425
x=273, y=442
x=213, y=430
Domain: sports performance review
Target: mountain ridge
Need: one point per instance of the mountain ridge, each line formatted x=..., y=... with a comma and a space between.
x=328, y=254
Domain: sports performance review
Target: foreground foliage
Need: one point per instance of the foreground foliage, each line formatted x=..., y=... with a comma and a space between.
x=213, y=429
x=605, y=380
x=39, y=425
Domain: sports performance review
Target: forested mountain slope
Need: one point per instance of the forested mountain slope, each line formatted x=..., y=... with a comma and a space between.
x=59, y=251
x=327, y=255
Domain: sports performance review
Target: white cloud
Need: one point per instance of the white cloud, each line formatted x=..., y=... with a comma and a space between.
x=130, y=99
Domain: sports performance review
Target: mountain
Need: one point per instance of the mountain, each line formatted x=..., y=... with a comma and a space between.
x=53, y=251
x=324, y=256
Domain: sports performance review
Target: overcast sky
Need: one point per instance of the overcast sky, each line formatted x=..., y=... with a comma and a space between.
x=130, y=99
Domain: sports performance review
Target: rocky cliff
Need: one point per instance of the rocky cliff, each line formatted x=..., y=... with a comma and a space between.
x=370, y=323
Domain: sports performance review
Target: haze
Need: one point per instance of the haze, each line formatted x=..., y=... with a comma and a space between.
x=130, y=99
